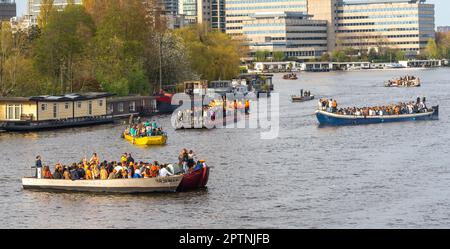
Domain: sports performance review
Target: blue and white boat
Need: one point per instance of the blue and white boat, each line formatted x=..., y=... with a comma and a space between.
x=332, y=119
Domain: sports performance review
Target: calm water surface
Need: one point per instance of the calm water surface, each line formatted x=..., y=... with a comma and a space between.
x=375, y=176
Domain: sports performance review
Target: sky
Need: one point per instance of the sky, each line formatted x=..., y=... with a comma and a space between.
x=442, y=7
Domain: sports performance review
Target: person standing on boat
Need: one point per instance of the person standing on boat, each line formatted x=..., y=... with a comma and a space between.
x=38, y=167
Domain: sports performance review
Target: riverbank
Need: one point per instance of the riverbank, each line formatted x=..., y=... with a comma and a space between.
x=292, y=66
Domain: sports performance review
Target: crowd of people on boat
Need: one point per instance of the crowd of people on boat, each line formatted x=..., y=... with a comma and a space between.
x=407, y=81
x=144, y=129
x=125, y=168
x=412, y=107
x=290, y=76
x=198, y=114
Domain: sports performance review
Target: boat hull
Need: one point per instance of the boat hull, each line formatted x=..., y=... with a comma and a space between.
x=195, y=180
x=331, y=119
x=154, y=140
x=227, y=120
x=43, y=126
x=124, y=186
x=302, y=99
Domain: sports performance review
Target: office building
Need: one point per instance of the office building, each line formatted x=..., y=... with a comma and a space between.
x=292, y=33
x=238, y=11
x=195, y=11
x=402, y=24
x=34, y=6
x=443, y=29
x=218, y=15
x=7, y=10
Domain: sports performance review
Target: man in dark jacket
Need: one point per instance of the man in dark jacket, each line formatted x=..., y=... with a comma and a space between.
x=38, y=167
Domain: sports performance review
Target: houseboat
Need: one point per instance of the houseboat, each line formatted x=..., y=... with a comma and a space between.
x=124, y=107
x=25, y=114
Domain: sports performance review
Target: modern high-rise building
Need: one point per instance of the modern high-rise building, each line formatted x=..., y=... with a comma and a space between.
x=34, y=6
x=402, y=24
x=8, y=10
x=195, y=11
x=238, y=11
x=218, y=15
x=292, y=33
x=443, y=29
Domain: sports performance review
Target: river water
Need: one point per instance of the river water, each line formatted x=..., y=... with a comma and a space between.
x=375, y=176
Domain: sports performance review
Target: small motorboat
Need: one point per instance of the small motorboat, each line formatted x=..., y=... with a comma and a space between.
x=194, y=180
x=332, y=119
x=149, y=140
x=291, y=76
x=123, y=186
x=186, y=124
x=302, y=98
x=404, y=82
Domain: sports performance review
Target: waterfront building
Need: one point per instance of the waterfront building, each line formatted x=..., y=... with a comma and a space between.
x=132, y=105
x=8, y=10
x=238, y=11
x=443, y=29
x=23, y=23
x=218, y=15
x=325, y=10
x=292, y=33
x=34, y=6
x=403, y=24
x=46, y=108
x=195, y=11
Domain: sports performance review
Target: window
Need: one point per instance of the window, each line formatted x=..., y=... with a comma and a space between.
x=66, y=106
x=90, y=108
x=132, y=106
x=111, y=108
x=120, y=107
x=14, y=112
x=79, y=104
x=100, y=102
x=55, y=110
x=44, y=107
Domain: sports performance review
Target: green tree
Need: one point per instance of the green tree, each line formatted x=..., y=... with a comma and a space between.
x=325, y=57
x=45, y=11
x=261, y=55
x=212, y=54
x=63, y=45
x=17, y=75
x=279, y=56
x=340, y=56
x=431, y=50
x=119, y=48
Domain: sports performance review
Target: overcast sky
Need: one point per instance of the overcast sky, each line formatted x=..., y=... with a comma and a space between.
x=442, y=8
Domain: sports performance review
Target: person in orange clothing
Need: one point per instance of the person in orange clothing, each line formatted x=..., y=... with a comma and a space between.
x=154, y=169
x=89, y=175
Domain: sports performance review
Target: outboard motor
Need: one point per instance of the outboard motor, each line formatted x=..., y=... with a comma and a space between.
x=436, y=112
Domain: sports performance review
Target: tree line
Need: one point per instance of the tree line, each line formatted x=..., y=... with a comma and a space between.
x=119, y=46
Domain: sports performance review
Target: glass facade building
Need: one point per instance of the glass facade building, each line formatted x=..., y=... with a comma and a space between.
x=292, y=33
x=8, y=10
x=238, y=11
x=403, y=24
x=34, y=6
